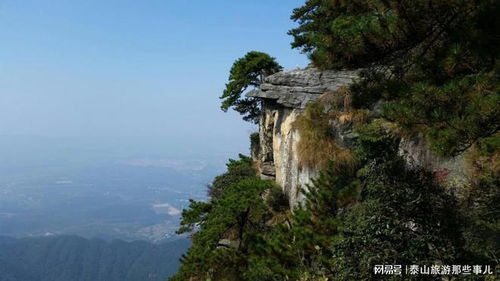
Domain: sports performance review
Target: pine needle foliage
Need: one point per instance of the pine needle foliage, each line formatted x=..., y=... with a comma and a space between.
x=435, y=63
x=402, y=217
x=237, y=170
x=247, y=73
x=430, y=67
x=225, y=229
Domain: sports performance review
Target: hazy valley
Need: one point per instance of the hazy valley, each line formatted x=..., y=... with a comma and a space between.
x=55, y=188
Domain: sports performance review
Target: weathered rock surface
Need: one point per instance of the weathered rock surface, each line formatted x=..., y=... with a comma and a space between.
x=284, y=96
x=417, y=153
x=297, y=88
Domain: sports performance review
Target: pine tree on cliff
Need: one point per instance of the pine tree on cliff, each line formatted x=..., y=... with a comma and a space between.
x=434, y=68
x=246, y=73
x=436, y=63
x=433, y=65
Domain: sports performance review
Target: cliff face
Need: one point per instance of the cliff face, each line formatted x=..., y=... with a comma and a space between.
x=285, y=96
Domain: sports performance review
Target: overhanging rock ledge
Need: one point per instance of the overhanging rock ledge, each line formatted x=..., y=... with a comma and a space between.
x=284, y=96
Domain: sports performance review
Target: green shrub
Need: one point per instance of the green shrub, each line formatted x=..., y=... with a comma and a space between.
x=237, y=170
x=277, y=200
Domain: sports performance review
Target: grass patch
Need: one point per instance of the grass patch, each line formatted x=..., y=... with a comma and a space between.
x=317, y=145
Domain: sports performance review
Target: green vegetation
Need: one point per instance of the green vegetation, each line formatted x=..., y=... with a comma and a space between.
x=227, y=229
x=402, y=216
x=435, y=63
x=247, y=72
x=430, y=68
x=383, y=213
x=391, y=216
x=237, y=170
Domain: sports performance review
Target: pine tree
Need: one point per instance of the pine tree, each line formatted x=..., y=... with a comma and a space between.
x=246, y=73
x=435, y=63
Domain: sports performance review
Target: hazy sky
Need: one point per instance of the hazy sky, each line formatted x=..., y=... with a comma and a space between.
x=131, y=68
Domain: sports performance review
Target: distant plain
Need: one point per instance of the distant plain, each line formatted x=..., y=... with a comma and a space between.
x=52, y=186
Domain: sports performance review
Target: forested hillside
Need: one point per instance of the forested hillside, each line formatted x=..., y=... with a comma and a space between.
x=429, y=70
x=71, y=258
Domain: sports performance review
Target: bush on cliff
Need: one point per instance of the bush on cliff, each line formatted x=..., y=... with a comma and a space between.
x=432, y=67
x=385, y=214
x=435, y=63
x=237, y=170
x=225, y=229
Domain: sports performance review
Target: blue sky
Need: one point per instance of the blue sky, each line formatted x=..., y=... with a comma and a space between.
x=123, y=69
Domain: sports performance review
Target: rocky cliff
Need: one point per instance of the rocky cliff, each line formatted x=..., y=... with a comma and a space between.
x=284, y=97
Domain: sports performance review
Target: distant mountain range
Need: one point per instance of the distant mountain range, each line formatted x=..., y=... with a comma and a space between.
x=72, y=258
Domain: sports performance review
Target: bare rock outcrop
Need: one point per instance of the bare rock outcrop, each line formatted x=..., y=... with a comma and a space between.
x=296, y=88
x=284, y=97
